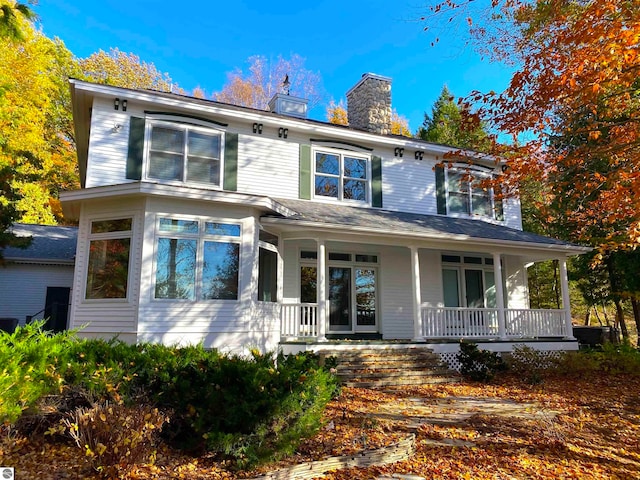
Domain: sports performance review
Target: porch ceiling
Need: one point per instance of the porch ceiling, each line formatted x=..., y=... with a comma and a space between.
x=410, y=226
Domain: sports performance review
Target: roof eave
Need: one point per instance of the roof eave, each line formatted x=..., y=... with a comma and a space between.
x=566, y=249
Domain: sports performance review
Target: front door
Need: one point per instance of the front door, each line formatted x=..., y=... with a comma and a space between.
x=352, y=293
x=56, y=308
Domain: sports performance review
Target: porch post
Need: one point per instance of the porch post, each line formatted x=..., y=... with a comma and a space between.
x=566, y=302
x=415, y=289
x=322, y=290
x=497, y=273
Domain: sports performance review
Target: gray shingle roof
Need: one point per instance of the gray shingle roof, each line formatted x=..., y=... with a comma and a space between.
x=387, y=221
x=50, y=243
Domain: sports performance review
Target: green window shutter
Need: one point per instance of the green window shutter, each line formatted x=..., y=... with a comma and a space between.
x=230, y=161
x=136, y=148
x=376, y=181
x=305, y=172
x=441, y=192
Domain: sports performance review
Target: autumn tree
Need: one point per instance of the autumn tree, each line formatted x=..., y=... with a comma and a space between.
x=570, y=56
x=448, y=126
x=337, y=113
x=14, y=18
x=36, y=144
x=126, y=70
x=265, y=78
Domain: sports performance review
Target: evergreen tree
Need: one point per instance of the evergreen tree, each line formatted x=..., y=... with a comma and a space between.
x=448, y=126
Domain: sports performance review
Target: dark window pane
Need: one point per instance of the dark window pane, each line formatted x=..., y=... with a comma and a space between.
x=367, y=258
x=327, y=163
x=165, y=166
x=204, y=170
x=267, y=276
x=326, y=186
x=474, y=260
x=176, y=268
x=175, y=225
x=118, y=225
x=204, y=145
x=355, y=167
x=488, y=261
x=451, y=258
x=365, y=296
x=355, y=190
x=229, y=229
x=342, y=257
x=108, y=270
x=481, y=205
x=167, y=140
x=268, y=237
x=308, y=254
x=458, y=203
x=220, y=271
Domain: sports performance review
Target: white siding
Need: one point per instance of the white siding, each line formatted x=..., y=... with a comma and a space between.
x=23, y=287
x=512, y=213
x=408, y=185
x=108, y=146
x=107, y=317
x=268, y=166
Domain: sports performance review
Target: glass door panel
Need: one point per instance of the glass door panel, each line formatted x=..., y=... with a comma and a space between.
x=474, y=289
x=365, y=299
x=451, y=288
x=340, y=299
x=308, y=284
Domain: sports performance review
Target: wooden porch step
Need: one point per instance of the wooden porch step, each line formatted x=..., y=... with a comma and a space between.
x=386, y=367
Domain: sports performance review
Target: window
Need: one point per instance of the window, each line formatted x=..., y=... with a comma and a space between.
x=341, y=176
x=469, y=283
x=197, y=259
x=466, y=195
x=267, y=267
x=184, y=153
x=108, y=267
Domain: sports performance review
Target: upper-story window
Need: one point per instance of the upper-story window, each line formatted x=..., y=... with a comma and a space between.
x=467, y=194
x=341, y=175
x=184, y=153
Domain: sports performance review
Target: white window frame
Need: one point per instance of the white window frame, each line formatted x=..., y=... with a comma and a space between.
x=201, y=237
x=177, y=123
x=341, y=153
x=474, y=174
x=116, y=235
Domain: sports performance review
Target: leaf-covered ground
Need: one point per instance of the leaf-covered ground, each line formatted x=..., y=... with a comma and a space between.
x=564, y=428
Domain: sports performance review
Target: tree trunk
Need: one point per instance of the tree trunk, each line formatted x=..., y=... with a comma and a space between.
x=587, y=317
x=636, y=317
x=620, y=319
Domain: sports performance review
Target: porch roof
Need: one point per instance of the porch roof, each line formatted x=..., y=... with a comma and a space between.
x=380, y=221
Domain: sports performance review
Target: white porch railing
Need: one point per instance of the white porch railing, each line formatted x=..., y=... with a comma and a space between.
x=449, y=322
x=535, y=323
x=299, y=320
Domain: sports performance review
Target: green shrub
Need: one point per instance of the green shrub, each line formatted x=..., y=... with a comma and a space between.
x=611, y=359
x=530, y=364
x=479, y=365
x=31, y=363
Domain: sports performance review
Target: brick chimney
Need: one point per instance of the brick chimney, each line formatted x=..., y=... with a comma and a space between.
x=369, y=104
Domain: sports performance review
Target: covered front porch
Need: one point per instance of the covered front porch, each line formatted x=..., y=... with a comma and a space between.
x=361, y=274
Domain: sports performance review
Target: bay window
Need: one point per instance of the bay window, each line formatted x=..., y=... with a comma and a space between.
x=467, y=195
x=197, y=260
x=108, y=263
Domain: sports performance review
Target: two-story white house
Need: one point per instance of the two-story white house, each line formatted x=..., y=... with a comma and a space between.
x=206, y=222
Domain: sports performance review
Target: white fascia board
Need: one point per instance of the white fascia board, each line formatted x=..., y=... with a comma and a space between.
x=412, y=237
x=268, y=118
x=182, y=192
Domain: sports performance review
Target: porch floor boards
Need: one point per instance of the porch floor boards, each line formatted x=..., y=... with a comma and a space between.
x=388, y=367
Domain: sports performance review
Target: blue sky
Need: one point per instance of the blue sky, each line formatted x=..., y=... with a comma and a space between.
x=198, y=42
